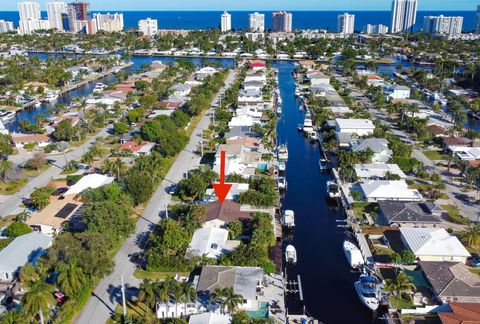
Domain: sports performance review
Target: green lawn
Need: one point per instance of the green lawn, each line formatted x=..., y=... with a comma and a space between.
x=454, y=215
x=12, y=186
x=360, y=208
x=400, y=303
x=142, y=274
x=434, y=155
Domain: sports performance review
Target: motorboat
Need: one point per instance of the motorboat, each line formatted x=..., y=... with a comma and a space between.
x=288, y=219
x=297, y=92
x=6, y=116
x=313, y=136
x=323, y=163
x=300, y=108
x=353, y=254
x=99, y=87
x=290, y=254
x=333, y=190
x=279, y=110
x=282, y=183
x=307, y=124
x=366, y=288
x=51, y=97
x=282, y=166
x=283, y=153
x=300, y=127
x=37, y=104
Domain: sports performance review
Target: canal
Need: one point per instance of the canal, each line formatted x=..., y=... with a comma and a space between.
x=327, y=280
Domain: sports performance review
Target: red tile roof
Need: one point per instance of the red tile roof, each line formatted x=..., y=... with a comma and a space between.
x=171, y=104
x=132, y=146
x=462, y=313
x=257, y=63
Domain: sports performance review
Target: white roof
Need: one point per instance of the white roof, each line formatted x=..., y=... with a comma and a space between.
x=209, y=318
x=210, y=241
x=93, y=181
x=377, y=170
x=355, y=123
x=466, y=153
x=433, y=242
x=389, y=190
x=235, y=190
x=19, y=251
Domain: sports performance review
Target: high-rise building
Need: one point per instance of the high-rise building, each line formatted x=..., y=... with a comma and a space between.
x=257, y=22
x=29, y=10
x=282, y=22
x=108, y=22
x=345, y=23
x=442, y=25
x=404, y=15
x=226, y=22
x=55, y=10
x=6, y=26
x=148, y=26
x=478, y=19
x=375, y=29
x=79, y=17
x=66, y=22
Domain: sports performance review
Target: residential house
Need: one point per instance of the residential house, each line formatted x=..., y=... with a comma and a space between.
x=409, y=213
x=204, y=73
x=245, y=281
x=211, y=242
x=460, y=313
x=437, y=130
x=240, y=131
x=239, y=160
x=375, y=171
x=397, y=92
x=251, y=143
x=169, y=104
x=255, y=76
x=137, y=148
x=233, y=193
x=220, y=215
x=465, y=153
x=22, y=250
x=376, y=190
x=318, y=78
x=39, y=140
x=253, y=86
x=256, y=65
x=180, y=90
x=451, y=282
x=249, y=97
x=91, y=181
x=434, y=244
x=379, y=147
x=346, y=128
x=209, y=318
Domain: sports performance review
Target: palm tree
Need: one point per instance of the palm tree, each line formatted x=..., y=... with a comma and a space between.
x=471, y=235
x=163, y=291
x=231, y=300
x=148, y=293
x=189, y=293
x=178, y=295
x=216, y=297
x=402, y=283
x=5, y=167
x=13, y=317
x=28, y=274
x=71, y=278
x=37, y=299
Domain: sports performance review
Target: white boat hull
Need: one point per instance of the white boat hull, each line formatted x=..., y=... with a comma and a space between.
x=371, y=303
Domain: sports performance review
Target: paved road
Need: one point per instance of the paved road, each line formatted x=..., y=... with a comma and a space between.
x=10, y=204
x=107, y=294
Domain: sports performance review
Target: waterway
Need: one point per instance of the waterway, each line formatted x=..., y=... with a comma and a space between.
x=327, y=280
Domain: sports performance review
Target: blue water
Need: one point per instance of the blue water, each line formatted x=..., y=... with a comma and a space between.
x=301, y=19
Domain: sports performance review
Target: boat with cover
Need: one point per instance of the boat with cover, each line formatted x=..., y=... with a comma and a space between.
x=282, y=167
x=353, y=254
x=290, y=254
x=282, y=153
x=288, y=218
x=366, y=288
x=333, y=190
x=282, y=183
x=323, y=163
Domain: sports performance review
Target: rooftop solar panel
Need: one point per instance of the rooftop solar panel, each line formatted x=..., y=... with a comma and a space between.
x=66, y=210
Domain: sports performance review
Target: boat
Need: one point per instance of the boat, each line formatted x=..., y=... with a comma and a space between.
x=282, y=183
x=6, y=116
x=353, y=254
x=279, y=110
x=37, y=104
x=297, y=92
x=99, y=87
x=288, y=219
x=51, y=97
x=282, y=166
x=313, y=136
x=323, y=163
x=282, y=153
x=290, y=254
x=333, y=190
x=300, y=108
x=366, y=288
x=300, y=127
x=307, y=124
x=279, y=99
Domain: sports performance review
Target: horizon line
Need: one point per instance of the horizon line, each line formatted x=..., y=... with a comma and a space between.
x=272, y=10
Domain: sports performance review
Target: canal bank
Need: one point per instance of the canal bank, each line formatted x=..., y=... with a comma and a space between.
x=327, y=280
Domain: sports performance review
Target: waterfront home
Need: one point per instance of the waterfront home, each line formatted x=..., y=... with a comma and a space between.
x=245, y=281
x=250, y=96
x=376, y=190
x=240, y=131
x=243, y=120
x=211, y=242
x=318, y=78
x=460, y=313
x=209, y=318
x=379, y=147
x=220, y=215
x=180, y=90
x=137, y=148
x=396, y=92
x=465, y=153
x=205, y=72
x=233, y=193
x=239, y=160
x=252, y=143
x=375, y=81
x=378, y=171
x=357, y=127
x=253, y=85
x=255, y=76
x=434, y=244
x=72, y=117
x=251, y=111
x=436, y=130
x=257, y=65
x=451, y=281
x=409, y=213
x=50, y=220
x=90, y=181
x=22, y=250
x=452, y=142
x=172, y=309
x=39, y=140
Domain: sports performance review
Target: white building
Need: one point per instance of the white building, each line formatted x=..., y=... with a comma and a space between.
x=55, y=11
x=27, y=27
x=210, y=242
x=345, y=23
x=397, y=190
x=148, y=26
x=375, y=29
x=29, y=10
x=257, y=22
x=108, y=22
x=404, y=15
x=254, y=37
x=359, y=127
x=445, y=25
x=226, y=22
x=6, y=26
x=282, y=22
x=378, y=171
x=434, y=244
x=209, y=318
x=397, y=92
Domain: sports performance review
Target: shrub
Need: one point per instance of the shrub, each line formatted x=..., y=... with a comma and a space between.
x=73, y=179
x=17, y=229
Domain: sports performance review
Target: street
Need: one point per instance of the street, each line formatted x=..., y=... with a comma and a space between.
x=107, y=294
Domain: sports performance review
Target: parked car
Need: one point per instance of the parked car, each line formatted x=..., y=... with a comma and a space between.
x=474, y=261
x=172, y=189
x=59, y=297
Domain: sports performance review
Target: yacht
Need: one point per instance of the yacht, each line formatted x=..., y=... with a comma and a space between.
x=282, y=183
x=6, y=116
x=366, y=288
x=99, y=87
x=290, y=254
x=353, y=254
x=282, y=166
x=51, y=97
x=279, y=110
x=283, y=153
x=307, y=124
x=297, y=92
x=37, y=104
x=333, y=190
x=313, y=136
x=323, y=163
x=288, y=219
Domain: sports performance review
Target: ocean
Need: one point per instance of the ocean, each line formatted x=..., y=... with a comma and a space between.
x=301, y=19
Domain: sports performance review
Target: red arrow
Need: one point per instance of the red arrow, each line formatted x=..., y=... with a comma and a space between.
x=222, y=188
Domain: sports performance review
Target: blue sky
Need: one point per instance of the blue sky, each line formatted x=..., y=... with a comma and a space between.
x=247, y=5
